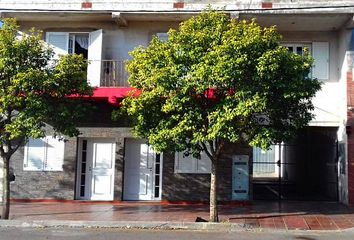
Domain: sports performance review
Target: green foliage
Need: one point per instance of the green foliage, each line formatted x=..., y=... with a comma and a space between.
x=214, y=79
x=33, y=88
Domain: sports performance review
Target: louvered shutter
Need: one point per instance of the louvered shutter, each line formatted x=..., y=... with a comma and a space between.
x=320, y=53
x=34, y=154
x=59, y=41
x=203, y=164
x=54, y=154
x=95, y=58
x=184, y=164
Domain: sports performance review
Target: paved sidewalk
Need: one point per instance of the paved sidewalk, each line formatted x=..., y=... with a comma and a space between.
x=270, y=215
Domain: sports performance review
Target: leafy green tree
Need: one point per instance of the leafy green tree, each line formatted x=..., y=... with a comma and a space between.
x=33, y=92
x=216, y=80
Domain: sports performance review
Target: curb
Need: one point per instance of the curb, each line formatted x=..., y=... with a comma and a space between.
x=136, y=225
x=125, y=225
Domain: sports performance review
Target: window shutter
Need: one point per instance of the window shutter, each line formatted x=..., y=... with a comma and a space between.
x=34, y=155
x=320, y=53
x=59, y=41
x=95, y=58
x=54, y=154
x=19, y=34
x=203, y=164
x=184, y=164
x=162, y=36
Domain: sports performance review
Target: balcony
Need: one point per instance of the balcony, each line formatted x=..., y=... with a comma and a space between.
x=113, y=74
x=109, y=79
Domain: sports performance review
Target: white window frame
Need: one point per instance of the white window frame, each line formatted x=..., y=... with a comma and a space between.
x=299, y=44
x=45, y=166
x=69, y=35
x=194, y=163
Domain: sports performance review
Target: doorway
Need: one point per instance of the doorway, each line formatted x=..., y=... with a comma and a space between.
x=142, y=171
x=95, y=170
x=303, y=169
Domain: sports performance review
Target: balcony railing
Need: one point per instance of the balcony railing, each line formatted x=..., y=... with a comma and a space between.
x=113, y=74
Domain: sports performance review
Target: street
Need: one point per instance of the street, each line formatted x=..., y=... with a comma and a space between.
x=118, y=234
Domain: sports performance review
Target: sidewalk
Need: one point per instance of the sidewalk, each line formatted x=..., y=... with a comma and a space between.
x=269, y=215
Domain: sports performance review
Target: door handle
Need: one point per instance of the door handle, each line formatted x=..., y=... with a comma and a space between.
x=90, y=168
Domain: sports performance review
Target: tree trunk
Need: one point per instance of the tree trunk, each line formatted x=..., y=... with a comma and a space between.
x=6, y=189
x=214, y=216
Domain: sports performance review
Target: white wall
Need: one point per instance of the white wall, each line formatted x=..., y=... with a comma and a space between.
x=118, y=42
x=344, y=42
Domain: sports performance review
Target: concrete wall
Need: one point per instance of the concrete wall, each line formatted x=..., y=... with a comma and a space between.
x=136, y=5
x=329, y=101
x=118, y=42
x=344, y=45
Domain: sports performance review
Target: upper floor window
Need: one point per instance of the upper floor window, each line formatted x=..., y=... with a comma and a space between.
x=78, y=43
x=87, y=44
x=320, y=54
x=64, y=43
x=298, y=48
x=162, y=36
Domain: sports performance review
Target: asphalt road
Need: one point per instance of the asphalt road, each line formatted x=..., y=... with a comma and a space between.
x=116, y=234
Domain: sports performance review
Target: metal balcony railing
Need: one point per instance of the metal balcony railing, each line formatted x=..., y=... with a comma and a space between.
x=113, y=74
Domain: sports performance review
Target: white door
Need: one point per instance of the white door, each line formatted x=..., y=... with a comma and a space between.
x=95, y=58
x=142, y=171
x=96, y=169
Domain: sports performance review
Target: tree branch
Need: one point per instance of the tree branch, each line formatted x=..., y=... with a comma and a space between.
x=219, y=149
x=2, y=151
x=206, y=150
x=19, y=144
x=212, y=148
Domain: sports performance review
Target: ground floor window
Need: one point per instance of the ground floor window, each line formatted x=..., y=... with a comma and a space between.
x=44, y=154
x=266, y=162
x=189, y=164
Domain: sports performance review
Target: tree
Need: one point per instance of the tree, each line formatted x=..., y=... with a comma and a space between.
x=216, y=80
x=33, y=92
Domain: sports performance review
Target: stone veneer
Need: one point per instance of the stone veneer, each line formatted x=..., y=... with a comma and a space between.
x=175, y=186
x=61, y=185
x=196, y=187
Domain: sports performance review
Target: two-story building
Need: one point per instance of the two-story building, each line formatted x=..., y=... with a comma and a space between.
x=107, y=163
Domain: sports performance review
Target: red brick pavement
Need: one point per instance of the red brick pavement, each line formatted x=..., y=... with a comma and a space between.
x=287, y=215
